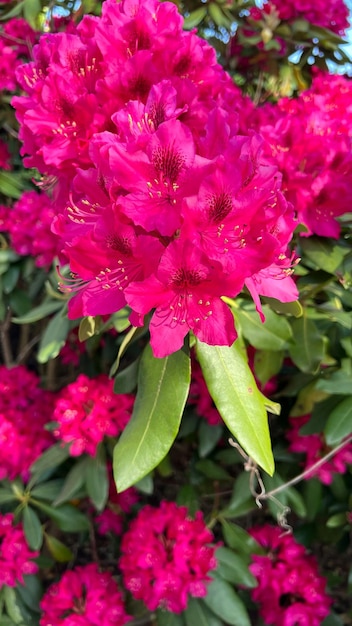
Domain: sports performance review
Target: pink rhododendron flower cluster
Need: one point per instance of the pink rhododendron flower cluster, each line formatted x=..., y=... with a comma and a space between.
x=28, y=223
x=311, y=144
x=8, y=63
x=332, y=15
x=16, y=559
x=290, y=591
x=111, y=520
x=84, y=597
x=166, y=556
x=19, y=35
x=25, y=408
x=315, y=447
x=169, y=207
x=88, y=410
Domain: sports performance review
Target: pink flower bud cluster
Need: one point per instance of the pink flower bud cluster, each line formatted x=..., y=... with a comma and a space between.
x=310, y=141
x=25, y=408
x=166, y=557
x=290, y=591
x=314, y=447
x=28, y=223
x=84, y=597
x=332, y=15
x=88, y=410
x=168, y=207
x=16, y=559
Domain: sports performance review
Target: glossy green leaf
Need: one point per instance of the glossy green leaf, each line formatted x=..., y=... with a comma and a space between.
x=97, y=480
x=323, y=252
x=89, y=327
x=339, y=382
x=195, y=18
x=274, y=334
x=12, y=608
x=126, y=380
x=163, y=386
x=238, y=539
x=66, y=516
x=339, y=423
x=238, y=400
x=241, y=501
x=53, y=338
x=32, y=528
x=234, y=568
x=224, y=602
x=74, y=481
x=198, y=614
x=267, y=364
x=10, y=185
x=7, y=496
x=48, y=490
x=39, y=312
x=188, y=496
x=209, y=436
x=165, y=618
x=31, y=592
x=57, y=549
x=308, y=349
x=51, y=458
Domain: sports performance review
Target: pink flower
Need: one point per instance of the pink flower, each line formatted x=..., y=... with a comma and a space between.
x=314, y=447
x=84, y=597
x=28, y=223
x=290, y=591
x=332, y=15
x=88, y=410
x=25, y=409
x=8, y=63
x=15, y=556
x=18, y=34
x=166, y=557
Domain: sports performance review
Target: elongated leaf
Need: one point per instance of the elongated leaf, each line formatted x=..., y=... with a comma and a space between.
x=274, y=334
x=66, y=516
x=308, y=350
x=73, y=482
x=97, y=480
x=57, y=549
x=234, y=568
x=238, y=539
x=198, y=614
x=31, y=592
x=339, y=423
x=51, y=458
x=54, y=338
x=32, y=528
x=163, y=386
x=126, y=379
x=224, y=602
x=12, y=608
x=238, y=400
x=164, y=618
x=39, y=312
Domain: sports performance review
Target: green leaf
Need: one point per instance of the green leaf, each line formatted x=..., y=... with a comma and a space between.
x=212, y=470
x=238, y=539
x=12, y=609
x=194, y=18
x=339, y=424
x=31, y=10
x=32, y=528
x=39, y=312
x=339, y=382
x=163, y=386
x=164, y=618
x=323, y=252
x=234, y=568
x=73, y=482
x=50, y=459
x=225, y=603
x=31, y=592
x=198, y=614
x=145, y=484
x=267, y=364
x=307, y=351
x=339, y=519
x=10, y=185
x=274, y=334
x=97, y=480
x=7, y=496
x=58, y=550
x=48, y=490
x=126, y=379
x=54, y=337
x=238, y=400
x=66, y=516
x=89, y=327
x=209, y=436
x=241, y=500
x=188, y=496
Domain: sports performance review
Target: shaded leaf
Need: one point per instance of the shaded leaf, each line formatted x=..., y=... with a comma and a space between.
x=39, y=312
x=274, y=334
x=234, y=568
x=57, y=549
x=198, y=614
x=126, y=380
x=307, y=351
x=51, y=458
x=74, y=480
x=164, y=618
x=97, y=480
x=53, y=338
x=224, y=602
x=31, y=592
x=339, y=423
x=32, y=528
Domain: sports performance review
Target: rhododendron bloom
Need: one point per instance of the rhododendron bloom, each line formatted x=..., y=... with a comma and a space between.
x=25, y=409
x=16, y=559
x=314, y=447
x=290, y=591
x=172, y=559
x=161, y=203
x=332, y=15
x=87, y=410
x=84, y=597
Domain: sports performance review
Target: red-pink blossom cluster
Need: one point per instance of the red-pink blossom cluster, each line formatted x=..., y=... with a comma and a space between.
x=25, y=409
x=84, y=597
x=310, y=141
x=111, y=520
x=166, y=557
x=169, y=207
x=88, y=410
x=314, y=447
x=16, y=41
x=290, y=591
x=332, y=15
x=16, y=559
x=28, y=223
